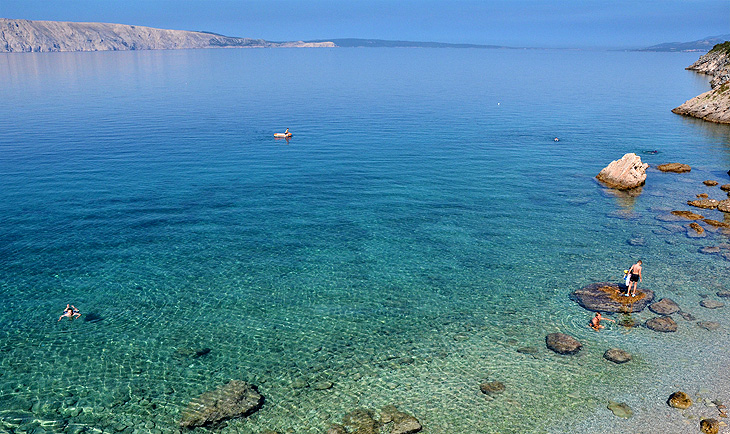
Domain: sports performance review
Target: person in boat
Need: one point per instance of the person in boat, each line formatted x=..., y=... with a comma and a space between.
x=70, y=312
x=287, y=133
x=595, y=323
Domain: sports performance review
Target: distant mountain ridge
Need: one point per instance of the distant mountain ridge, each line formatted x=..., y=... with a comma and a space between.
x=703, y=45
x=45, y=36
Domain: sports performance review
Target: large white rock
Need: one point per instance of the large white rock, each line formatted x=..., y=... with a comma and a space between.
x=624, y=174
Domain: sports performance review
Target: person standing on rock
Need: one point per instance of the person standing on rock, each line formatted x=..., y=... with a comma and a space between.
x=635, y=272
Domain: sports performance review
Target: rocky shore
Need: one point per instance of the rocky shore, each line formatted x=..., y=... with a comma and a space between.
x=45, y=36
x=713, y=106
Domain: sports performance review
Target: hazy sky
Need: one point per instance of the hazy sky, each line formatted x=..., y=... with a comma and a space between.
x=551, y=23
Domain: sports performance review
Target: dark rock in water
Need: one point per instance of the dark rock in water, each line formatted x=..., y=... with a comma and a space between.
x=361, y=421
x=710, y=183
x=704, y=203
x=687, y=316
x=725, y=187
x=674, y=167
x=609, y=297
x=620, y=409
x=664, y=324
x=92, y=317
x=665, y=306
x=703, y=196
x=201, y=353
x=710, y=250
x=322, y=385
x=689, y=215
x=617, y=356
x=562, y=343
x=337, y=429
x=637, y=242
x=679, y=400
x=709, y=426
x=724, y=294
x=403, y=423
x=709, y=325
x=711, y=304
x=529, y=350
x=492, y=388
x=235, y=399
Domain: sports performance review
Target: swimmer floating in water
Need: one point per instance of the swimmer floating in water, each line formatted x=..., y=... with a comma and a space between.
x=70, y=312
x=595, y=323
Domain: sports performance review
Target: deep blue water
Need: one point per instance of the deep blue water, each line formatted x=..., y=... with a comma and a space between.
x=422, y=210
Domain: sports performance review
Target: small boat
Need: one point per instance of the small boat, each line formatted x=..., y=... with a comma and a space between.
x=282, y=135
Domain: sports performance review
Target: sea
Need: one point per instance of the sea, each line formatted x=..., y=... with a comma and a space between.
x=419, y=235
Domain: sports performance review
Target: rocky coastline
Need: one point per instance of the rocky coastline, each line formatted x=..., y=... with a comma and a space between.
x=712, y=106
x=48, y=36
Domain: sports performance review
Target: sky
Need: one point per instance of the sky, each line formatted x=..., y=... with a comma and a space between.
x=520, y=23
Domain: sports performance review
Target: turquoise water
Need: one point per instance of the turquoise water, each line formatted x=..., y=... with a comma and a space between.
x=420, y=227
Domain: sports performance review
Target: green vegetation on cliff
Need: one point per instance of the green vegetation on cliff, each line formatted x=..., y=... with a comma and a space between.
x=724, y=47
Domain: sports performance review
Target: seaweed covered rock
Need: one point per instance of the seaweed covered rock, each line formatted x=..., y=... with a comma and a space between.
x=609, y=297
x=234, y=399
x=492, y=388
x=624, y=174
x=679, y=400
x=562, y=343
x=709, y=426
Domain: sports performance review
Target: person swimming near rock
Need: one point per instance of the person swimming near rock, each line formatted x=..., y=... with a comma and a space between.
x=70, y=312
x=595, y=323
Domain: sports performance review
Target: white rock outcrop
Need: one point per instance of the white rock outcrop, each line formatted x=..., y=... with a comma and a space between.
x=624, y=174
x=713, y=106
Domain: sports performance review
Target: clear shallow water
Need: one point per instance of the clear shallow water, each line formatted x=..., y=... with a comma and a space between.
x=420, y=227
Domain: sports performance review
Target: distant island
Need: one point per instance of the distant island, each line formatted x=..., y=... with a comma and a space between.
x=702, y=45
x=45, y=36
x=354, y=42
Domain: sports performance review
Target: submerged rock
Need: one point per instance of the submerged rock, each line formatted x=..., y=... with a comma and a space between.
x=711, y=304
x=709, y=325
x=624, y=174
x=710, y=250
x=725, y=187
x=674, y=167
x=617, y=356
x=688, y=215
x=361, y=420
x=235, y=399
x=620, y=409
x=716, y=223
x=403, y=423
x=703, y=196
x=710, y=183
x=665, y=306
x=679, y=400
x=336, y=429
x=492, y=388
x=609, y=297
x=694, y=230
x=723, y=293
x=664, y=324
x=562, y=343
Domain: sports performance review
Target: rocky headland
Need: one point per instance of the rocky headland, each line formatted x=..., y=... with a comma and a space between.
x=45, y=36
x=713, y=106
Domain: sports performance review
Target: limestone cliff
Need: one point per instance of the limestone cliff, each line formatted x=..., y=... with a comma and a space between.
x=713, y=106
x=43, y=36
